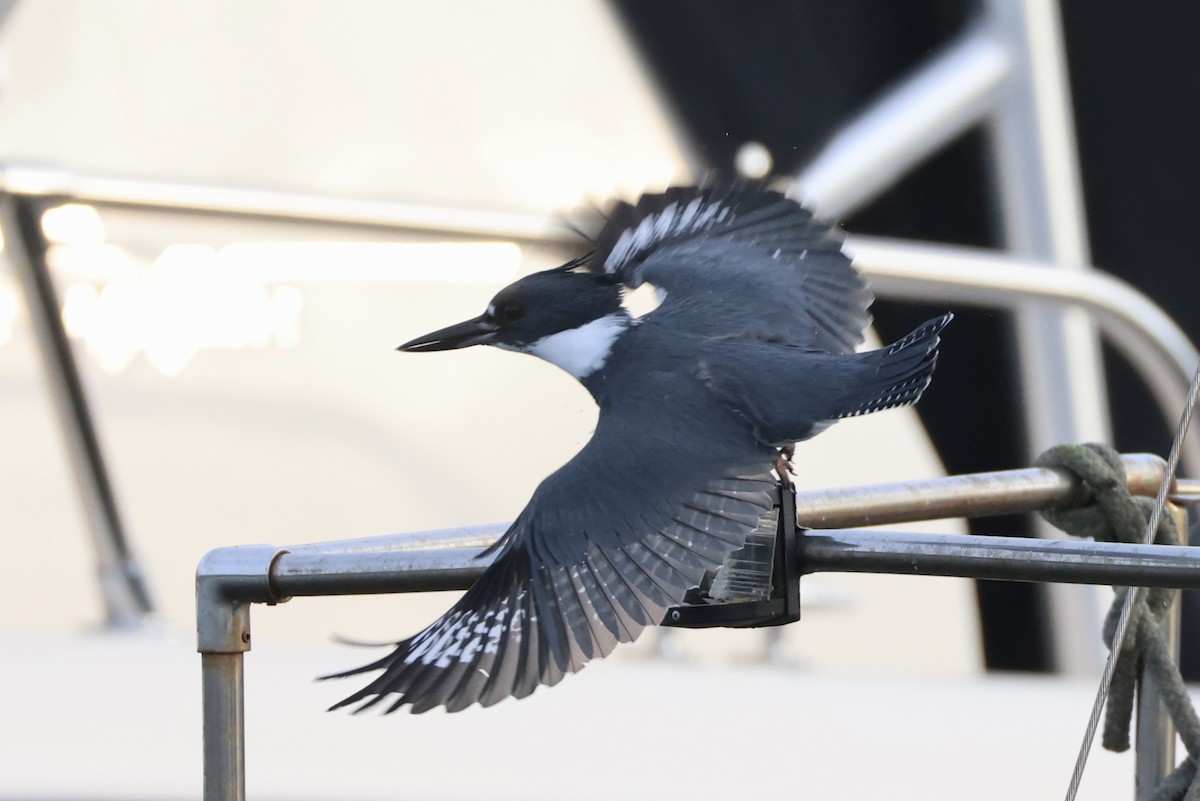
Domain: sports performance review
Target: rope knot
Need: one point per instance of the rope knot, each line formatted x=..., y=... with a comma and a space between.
x=1115, y=515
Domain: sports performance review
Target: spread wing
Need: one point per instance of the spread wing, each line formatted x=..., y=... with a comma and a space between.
x=604, y=547
x=738, y=261
x=664, y=490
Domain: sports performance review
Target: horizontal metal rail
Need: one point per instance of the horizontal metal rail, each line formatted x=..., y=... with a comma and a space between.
x=973, y=495
x=229, y=580
x=450, y=559
x=1007, y=558
x=285, y=206
x=441, y=560
x=1157, y=348
x=821, y=551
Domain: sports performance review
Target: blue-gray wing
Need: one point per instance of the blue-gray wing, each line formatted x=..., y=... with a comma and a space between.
x=738, y=261
x=607, y=543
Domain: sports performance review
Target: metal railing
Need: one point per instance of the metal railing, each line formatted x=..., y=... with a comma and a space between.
x=1006, y=75
x=230, y=580
x=123, y=590
x=1006, y=72
x=1155, y=346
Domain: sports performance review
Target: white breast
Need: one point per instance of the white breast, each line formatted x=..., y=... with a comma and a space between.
x=584, y=350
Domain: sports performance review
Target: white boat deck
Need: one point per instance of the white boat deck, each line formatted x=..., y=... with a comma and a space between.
x=118, y=717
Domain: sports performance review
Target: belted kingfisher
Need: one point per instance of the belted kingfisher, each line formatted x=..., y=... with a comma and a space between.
x=750, y=350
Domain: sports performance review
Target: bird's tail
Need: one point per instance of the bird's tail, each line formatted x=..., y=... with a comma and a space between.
x=901, y=371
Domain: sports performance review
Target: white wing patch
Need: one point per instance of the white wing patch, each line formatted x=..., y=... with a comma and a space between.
x=643, y=300
x=655, y=228
x=464, y=635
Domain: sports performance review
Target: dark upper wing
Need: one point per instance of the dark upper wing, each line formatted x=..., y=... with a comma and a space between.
x=604, y=547
x=740, y=261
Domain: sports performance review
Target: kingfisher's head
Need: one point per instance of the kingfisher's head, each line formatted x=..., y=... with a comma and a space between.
x=568, y=318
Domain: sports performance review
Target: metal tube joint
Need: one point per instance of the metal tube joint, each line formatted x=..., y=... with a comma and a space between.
x=228, y=580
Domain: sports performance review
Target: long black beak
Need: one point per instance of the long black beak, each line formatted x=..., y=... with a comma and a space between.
x=477, y=331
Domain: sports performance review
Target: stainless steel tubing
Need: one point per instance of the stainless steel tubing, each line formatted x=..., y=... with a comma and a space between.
x=822, y=551
x=229, y=580
x=972, y=495
x=99, y=190
x=1156, y=347
x=224, y=727
x=952, y=91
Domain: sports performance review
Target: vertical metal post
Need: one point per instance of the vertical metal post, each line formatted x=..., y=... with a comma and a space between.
x=224, y=727
x=1043, y=217
x=228, y=580
x=1037, y=176
x=1155, y=738
x=122, y=587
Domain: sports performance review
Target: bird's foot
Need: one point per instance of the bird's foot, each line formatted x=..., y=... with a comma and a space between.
x=783, y=466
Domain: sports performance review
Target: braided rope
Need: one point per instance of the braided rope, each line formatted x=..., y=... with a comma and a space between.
x=1115, y=515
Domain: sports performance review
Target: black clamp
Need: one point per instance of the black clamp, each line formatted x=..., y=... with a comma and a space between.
x=700, y=611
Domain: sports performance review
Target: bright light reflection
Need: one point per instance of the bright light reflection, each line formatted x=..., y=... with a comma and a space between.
x=185, y=303
x=194, y=297
x=73, y=224
x=105, y=263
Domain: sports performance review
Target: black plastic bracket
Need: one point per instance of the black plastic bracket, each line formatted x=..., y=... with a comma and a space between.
x=783, y=605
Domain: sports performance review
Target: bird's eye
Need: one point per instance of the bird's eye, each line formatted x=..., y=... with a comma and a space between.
x=509, y=312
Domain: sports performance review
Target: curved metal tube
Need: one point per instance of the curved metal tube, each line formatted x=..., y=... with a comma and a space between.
x=1157, y=348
